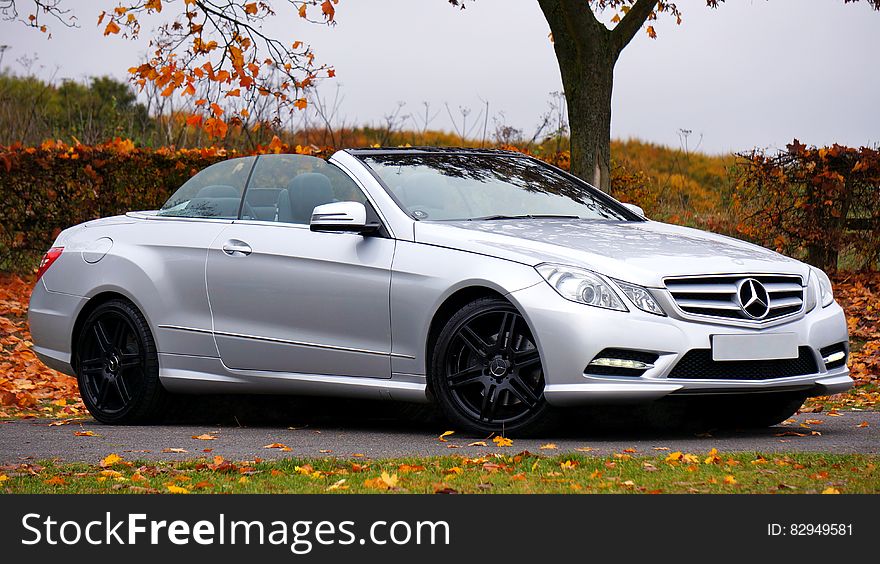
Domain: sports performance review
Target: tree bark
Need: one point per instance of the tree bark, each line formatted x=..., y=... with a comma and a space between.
x=586, y=52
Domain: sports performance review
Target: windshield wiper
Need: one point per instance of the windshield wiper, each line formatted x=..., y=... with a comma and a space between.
x=528, y=216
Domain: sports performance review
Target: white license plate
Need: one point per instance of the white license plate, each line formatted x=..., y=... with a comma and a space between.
x=767, y=346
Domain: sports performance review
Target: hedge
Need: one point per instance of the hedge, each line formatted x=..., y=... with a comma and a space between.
x=48, y=188
x=818, y=204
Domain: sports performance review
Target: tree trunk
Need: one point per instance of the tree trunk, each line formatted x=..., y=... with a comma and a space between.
x=588, y=87
x=587, y=51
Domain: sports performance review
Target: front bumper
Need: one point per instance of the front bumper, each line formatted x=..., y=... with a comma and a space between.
x=570, y=335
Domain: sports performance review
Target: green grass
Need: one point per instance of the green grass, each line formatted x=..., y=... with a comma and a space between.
x=662, y=472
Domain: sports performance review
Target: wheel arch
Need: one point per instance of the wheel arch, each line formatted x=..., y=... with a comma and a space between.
x=94, y=302
x=453, y=303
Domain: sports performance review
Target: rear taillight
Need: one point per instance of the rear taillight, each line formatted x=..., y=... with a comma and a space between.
x=50, y=257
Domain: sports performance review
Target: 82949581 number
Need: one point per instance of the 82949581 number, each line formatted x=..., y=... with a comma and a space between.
x=809, y=529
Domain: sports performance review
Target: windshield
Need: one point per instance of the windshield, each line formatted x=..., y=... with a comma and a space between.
x=474, y=186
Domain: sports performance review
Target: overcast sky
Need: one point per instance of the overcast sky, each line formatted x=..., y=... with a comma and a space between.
x=752, y=73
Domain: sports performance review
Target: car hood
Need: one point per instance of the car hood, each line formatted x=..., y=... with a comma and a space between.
x=641, y=252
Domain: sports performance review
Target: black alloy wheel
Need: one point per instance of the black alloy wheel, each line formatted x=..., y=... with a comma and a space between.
x=117, y=366
x=487, y=370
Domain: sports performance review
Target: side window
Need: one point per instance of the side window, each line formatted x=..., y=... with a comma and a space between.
x=214, y=192
x=287, y=188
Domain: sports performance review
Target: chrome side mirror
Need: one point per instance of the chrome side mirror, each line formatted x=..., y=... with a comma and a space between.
x=342, y=216
x=635, y=209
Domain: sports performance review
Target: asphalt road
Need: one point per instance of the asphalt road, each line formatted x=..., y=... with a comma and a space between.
x=374, y=434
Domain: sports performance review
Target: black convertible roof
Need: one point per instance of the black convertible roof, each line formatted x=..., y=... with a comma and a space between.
x=363, y=152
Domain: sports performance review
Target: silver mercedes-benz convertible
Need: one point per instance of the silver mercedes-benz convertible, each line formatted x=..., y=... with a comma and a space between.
x=486, y=281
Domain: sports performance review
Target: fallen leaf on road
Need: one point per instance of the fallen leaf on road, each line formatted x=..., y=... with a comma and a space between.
x=442, y=438
x=205, y=437
x=280, y=446
x=548, y=446
x=175, y=450
x=584, y=449
x=862, y=425
x=502, y=441
x=814, y=421
x=58, y=423
x=84, y=434
x=477, y=443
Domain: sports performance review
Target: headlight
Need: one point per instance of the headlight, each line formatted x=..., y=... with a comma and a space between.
x=826, y=294
x=640, y=297
x=582, y=286
x=818, y=290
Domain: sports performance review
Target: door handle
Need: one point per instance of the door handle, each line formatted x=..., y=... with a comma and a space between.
x=236, y=248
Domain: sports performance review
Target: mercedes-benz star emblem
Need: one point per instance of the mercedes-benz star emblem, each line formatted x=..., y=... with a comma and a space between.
x=498, y=367
x=753, y=298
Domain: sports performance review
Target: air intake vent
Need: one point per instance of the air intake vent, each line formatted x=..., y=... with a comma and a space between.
x=697, y=364
x=755, y=298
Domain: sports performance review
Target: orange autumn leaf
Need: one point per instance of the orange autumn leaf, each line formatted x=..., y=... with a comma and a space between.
x=251, y=8
x=216, y=127
x=111, y=28
x=110, y=460
x=502, y=441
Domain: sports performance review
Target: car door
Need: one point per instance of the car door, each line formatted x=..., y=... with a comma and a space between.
x=173, y=246
x=286, y=299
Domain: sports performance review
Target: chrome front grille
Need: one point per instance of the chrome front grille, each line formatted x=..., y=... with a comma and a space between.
x=730, y=296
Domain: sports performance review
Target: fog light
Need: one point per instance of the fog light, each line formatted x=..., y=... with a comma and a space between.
x=834, y=357
x=621, y=363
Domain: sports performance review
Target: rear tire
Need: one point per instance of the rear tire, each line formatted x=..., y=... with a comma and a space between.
x=117, y=365
x=486, y=372
x=751, y=411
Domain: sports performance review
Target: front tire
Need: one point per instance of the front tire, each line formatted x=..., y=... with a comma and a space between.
x=486, y=371
x=117, y=366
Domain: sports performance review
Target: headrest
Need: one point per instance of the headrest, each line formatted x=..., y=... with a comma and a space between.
x=218, y=191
